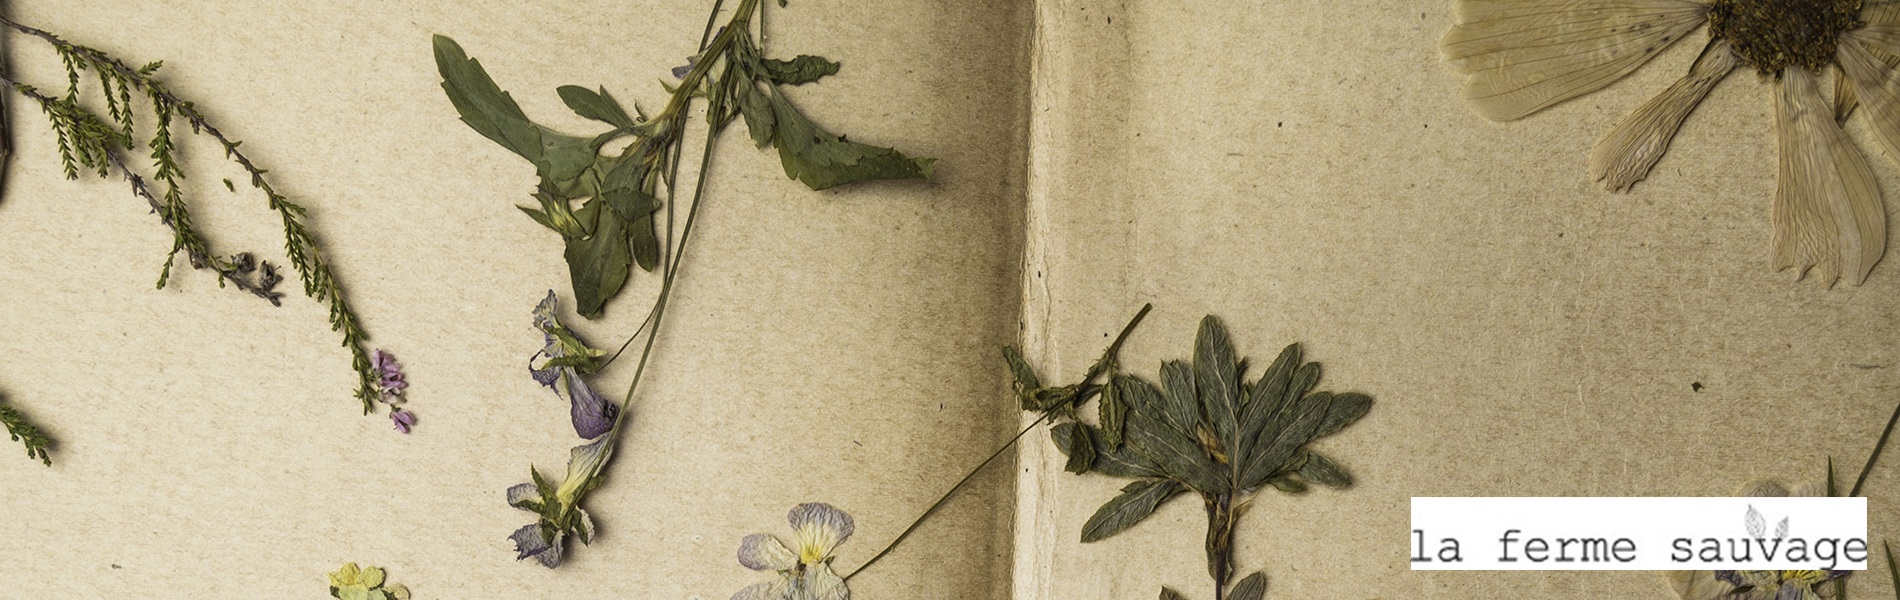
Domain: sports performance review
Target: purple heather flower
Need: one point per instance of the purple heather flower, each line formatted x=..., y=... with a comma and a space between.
x=388, y=374
x=680, y=72
x=404, y=419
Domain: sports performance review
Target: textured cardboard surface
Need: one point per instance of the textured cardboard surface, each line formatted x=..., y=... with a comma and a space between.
x=834, y=347
x=1309, y=173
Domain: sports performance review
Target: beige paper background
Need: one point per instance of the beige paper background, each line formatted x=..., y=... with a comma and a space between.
x=834, y=347
x=1308, y=173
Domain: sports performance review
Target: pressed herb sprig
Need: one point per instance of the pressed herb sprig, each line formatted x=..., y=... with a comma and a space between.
x=25, y=433
x=1203, y=430
x=93, y=143
x=621, y=200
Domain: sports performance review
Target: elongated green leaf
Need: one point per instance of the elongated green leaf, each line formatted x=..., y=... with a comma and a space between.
x=1178, y=455
x=1113, y=410
x=1183, y=406
x=804, y=69
x=1892, y=570
x=646, y=244
x=1288, y=485
x=1168, y=594
x=1303, y=381
x=1216, y=375
x=1254, y=587
x=483, y=105
x=630, y=204
x=1264, y=401
x=1026, y=381
x=1138, y=500
x=822, y=160
x=1321, y=470
x=598, y=264
x=1345, y=409
x=1279, y=444
x=1081, y=451
x=1119, y=462
x=597, y=106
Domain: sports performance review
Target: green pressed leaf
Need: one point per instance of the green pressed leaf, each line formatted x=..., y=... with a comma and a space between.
x=1217, y=376
x=1113, y=411
x=629, y=203
x=1254, y=587
x=1321, y=470
x=1280, y=442
x=1892, y=570
x=1026, y=381
x=555, y=215
x=757, y=110
x=1183, y=406
x=1178, y=455
x=1120, y=462
x=1344, y=410
x=598, y=264
x=482, y=104
x=1138, y=500
x=597, y=106
x=1081, y=451
x=1303, y=381
x=1265, y=401
x=1168, y=594
x=1288, y=485
x=804, y=69
x=646, y=244
x=822, y=160
x=1831, y=492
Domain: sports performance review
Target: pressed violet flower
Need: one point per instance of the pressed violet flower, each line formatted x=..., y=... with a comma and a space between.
x=404, y=420
x=559, y=506
x=1525, y=55
x=567, y=357
x=805, y=574
x=352, y=583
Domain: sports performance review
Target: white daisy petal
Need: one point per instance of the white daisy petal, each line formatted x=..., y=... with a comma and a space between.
x=1876, y=86
x=1828, y=212
x=819, y=528
x=761, y=552
x=1525, y=55
x=1624, y=156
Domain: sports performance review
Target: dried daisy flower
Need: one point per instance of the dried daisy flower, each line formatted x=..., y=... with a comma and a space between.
x=1755, y=585
x=1525, y=55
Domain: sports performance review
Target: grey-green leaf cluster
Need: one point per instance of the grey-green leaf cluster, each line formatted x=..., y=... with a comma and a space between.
x=618, y=193
x=1202, y=429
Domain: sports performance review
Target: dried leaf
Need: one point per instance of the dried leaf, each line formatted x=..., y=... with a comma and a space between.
x=1179, y=456
x=804, y=69
x=1182, y=408
x=1113, y=411
x=597, y=265
x=1081, y=451
x=1279, y=444
x=1216, y=374
x=1120, y=462
x=1026, y=382
x=1137, y=501
x=599, y=106
x=822, y=160
x=1525, y=55
x=1321, y=470
x=1254, y=587
x=1168, y=594
x=1344, y=410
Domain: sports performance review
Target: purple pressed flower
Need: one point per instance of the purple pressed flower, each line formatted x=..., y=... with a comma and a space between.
x=592, y=414
x=388, y=374
x=680, y=72
x=528, y=542
x=404, y=419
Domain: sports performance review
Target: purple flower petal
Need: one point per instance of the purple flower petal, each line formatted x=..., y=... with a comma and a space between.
x=522, y=493
x=404, y=419
x=762, y=552
x=593, y=415
x=680, y=72
x=528, y=543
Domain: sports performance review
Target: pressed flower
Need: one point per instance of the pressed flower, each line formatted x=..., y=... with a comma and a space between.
x=352, y=583
x=567, y=356
x=1525, y=55
x=1755, y=585
x=805, y=574
x=405, y=420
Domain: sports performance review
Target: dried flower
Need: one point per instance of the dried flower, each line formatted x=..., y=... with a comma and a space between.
x=568, y=356
x=1526, y=55
x=351, y=583
x=807, y=573
x=388, y=376
x=1754, y=585
x=404, y=419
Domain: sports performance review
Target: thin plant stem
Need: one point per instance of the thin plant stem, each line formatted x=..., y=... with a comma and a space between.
x=1878, y=446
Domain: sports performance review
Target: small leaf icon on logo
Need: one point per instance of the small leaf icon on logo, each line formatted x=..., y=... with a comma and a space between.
x=1781, y=530
x=1756, y=526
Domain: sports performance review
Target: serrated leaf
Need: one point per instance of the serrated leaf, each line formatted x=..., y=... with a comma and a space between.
x=1183, y=404
x=1113, y=411
x=822, y=160
x=597, y=265
x=493, y=113
x=1344, y=410
x=1757, y=527
x=597, y=106
x=1081, y=451
x=1168, y=594
x=1217, y=377
x=1280, y=442
x=804, y=69
x=1026, y=381
x=1321, y=470
x=1179, y=456
x=1254, y=587
x=1120, y=462
x=1137, y=501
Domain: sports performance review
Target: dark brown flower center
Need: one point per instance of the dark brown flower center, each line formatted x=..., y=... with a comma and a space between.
x=1773, y=34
